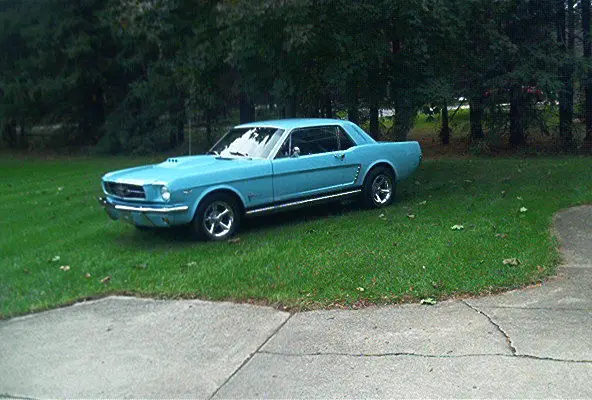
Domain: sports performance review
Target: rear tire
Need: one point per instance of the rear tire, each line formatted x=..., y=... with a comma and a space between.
x=217, y=218
x=379, y=188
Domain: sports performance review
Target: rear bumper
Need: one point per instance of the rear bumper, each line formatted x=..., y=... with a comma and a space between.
x=146, y=215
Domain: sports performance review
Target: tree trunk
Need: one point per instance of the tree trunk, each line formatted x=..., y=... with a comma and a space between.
x=292, y=109
x=445, y=128
x=352, y=102
x=353, y=114
x=246, y=108
x=209, y=137
x=23, y=139
x=172, y=135
x=587, y=84
x=93, y=117
x=517, y=131
x=374, y=97
x=181, y=125
x=9, y=133
x=476, y=117
x=566, y=44
x=327, y=106
x=404, y=117
x=374, y=130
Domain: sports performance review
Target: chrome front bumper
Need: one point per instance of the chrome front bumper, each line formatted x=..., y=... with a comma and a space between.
x=144, y=215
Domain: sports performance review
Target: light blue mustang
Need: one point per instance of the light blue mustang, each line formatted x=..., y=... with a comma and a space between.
x=258, y=168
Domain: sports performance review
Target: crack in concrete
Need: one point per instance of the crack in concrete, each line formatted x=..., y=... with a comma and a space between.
x=13, y=396
x=499, y=328
x=540, y=308
x=408, y=354
x=246, y=360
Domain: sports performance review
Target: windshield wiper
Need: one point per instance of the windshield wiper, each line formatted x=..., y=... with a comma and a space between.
x=238, y=153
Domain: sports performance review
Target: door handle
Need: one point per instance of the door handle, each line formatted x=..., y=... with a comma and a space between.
x=340, y=156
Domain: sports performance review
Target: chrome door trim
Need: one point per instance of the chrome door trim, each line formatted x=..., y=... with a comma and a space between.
x=301, y=202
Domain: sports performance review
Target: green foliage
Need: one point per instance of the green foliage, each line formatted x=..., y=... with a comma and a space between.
x=134, y=73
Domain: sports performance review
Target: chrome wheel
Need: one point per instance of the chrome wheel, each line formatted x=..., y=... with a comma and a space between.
x=382, y=189
x=218, y=219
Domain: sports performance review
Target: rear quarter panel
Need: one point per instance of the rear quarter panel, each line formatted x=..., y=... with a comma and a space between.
x=403, y=157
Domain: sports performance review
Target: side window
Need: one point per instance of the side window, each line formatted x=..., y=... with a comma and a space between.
x=343, y=139
x=316, y=140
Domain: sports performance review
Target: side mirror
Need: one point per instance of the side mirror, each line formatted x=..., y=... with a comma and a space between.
x=296, y=151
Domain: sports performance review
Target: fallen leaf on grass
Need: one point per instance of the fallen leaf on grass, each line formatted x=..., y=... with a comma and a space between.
x=65, y=268
x=519, y=198
x=381, y=216
x=457, y=227
x=360, y=289
x=141, y=266
x=511, y=261
x=422, y=203
x=429, y=301
x=411, y=216
x=60, y=188
x=26, y=271
x=540, y=269
x=501, y=235
x=191, y=264
x=87, y=275
x=55, y=259
x=234, y=240
x=523, y=209
x=106, y=279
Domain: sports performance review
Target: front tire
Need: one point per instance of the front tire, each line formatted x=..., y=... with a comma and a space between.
x=217, y=217
x=379, y=188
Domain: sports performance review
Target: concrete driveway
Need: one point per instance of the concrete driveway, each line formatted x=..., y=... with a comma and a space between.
x=535, y=342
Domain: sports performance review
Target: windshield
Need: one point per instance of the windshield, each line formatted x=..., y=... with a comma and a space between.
x=247, y=142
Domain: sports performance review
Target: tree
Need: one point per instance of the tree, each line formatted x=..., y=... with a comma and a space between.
x=73, y=51
x=565, y=39
x=587, y=81
x=14, y=91
x=482, y=43
x=174, y=57
x=528, y=64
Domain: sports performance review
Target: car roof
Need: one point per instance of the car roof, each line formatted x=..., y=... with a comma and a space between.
x=292, y=123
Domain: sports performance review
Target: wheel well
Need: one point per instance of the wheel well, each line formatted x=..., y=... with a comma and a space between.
x=227, y=192
x=384, y=165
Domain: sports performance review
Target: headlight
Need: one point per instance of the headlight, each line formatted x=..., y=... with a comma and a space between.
x=165, y=194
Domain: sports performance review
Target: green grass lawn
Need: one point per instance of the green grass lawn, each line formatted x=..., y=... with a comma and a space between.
x=329, y=256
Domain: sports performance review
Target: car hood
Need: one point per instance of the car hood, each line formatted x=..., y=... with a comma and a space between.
x=177, y=167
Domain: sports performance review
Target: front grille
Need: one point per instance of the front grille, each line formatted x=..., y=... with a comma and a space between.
x=125, y=190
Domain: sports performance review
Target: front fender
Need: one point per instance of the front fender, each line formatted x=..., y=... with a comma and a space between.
x=212, y=189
